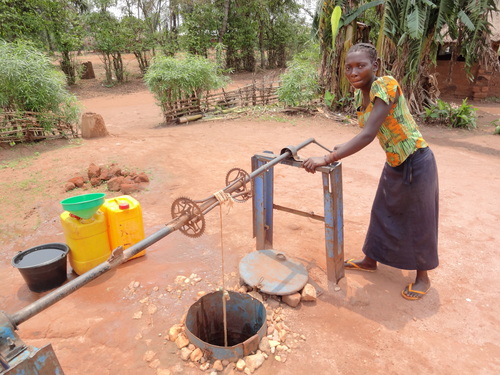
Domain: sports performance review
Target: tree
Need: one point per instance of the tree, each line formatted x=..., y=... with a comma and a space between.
x=54, y=25
x=199, y=27
x=110, y=41
x=20, y=19
x=66, y=27
x=139, y=40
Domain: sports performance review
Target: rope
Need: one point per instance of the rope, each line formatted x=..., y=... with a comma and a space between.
x=223, y=197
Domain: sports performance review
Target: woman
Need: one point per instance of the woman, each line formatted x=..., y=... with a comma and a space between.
x=403, y=230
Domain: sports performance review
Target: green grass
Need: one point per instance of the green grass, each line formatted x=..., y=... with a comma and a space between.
x=20, y=163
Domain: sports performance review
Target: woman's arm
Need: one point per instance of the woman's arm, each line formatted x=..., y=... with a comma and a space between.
x=365, y=137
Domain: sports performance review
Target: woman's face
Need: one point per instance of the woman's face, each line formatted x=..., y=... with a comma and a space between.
x=360, y=70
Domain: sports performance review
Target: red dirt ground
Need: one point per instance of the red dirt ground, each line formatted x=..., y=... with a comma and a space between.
x=366, y=327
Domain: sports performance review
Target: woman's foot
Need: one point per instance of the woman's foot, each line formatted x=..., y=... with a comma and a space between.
x=419, y=288
x=366, y=264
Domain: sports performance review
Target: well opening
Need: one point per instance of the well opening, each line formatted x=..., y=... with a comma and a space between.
x=246, y=324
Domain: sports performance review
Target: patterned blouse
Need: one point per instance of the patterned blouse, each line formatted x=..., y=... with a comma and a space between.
x=398, y=135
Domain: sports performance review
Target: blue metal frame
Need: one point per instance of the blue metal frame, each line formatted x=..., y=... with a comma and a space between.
x=263, y=197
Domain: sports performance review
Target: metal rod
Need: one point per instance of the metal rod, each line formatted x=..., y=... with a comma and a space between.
x=311, y=215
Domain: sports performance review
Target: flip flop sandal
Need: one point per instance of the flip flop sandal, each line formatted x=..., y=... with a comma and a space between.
x=350, y=265
x=409, y=289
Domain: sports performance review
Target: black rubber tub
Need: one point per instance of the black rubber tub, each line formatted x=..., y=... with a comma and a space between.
x=43, y=267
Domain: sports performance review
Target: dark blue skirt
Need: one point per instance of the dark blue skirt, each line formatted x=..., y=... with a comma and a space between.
x=403, y=230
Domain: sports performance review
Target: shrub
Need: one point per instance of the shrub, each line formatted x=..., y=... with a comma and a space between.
x=300, y=83
x=29, y=82
x=171, y=79
x=462, y=116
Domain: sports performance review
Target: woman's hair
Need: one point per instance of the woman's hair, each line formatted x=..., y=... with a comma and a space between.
x=365, y=47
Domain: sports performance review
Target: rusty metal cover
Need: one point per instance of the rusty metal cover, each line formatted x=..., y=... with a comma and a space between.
x=273, y=273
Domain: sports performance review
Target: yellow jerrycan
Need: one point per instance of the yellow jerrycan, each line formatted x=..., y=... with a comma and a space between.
x=125, y=224
x=87, y=240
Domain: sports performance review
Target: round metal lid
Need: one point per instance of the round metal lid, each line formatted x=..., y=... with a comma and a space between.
x=273, y=273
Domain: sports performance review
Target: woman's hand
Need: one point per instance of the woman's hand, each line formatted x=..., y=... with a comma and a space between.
x=311, y=164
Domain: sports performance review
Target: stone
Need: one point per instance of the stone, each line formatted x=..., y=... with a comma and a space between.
x=77, y=180
x=254, y=361
x=264, y=345
x=275, y=335
x=180, y=279
x=114, y=184
x=186, y=353
x=218, y=365
x=181, y=340
x=309, y=293
x=292, y=300
x=92, y=126
x=282, y=335
x=163, y=371
x=270, y=329
x=196, y=355
x=256, y=295
x=105, y=174
x=205, y=366
x=177, y=369
x=273, y=343
x=229, y=370
x=128, y=180
x=95, y=181
x=155, y=363
x=69, y=186
x=115, y=170
x=93, y=171
x=152, y=309
x=141, y=177
x=148, y=356
x=128, y=189
x=240, y=365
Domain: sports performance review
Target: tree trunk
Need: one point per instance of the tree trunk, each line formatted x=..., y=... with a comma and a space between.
x=224, y=21
x=261, y=46
x=106, y=58
x=118, y=66
x=68, y=68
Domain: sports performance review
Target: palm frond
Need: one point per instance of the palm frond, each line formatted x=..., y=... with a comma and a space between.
x=355, y=14
x=466, y=20
x=414, y=21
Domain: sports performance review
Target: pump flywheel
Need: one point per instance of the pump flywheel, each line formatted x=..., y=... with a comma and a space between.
x=242, y=194
x=196, y=225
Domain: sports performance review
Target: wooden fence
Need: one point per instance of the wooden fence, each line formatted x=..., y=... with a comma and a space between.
x=255, y=94
x=30, y=126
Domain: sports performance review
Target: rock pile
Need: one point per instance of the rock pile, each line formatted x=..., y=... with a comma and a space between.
x=116, y=179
